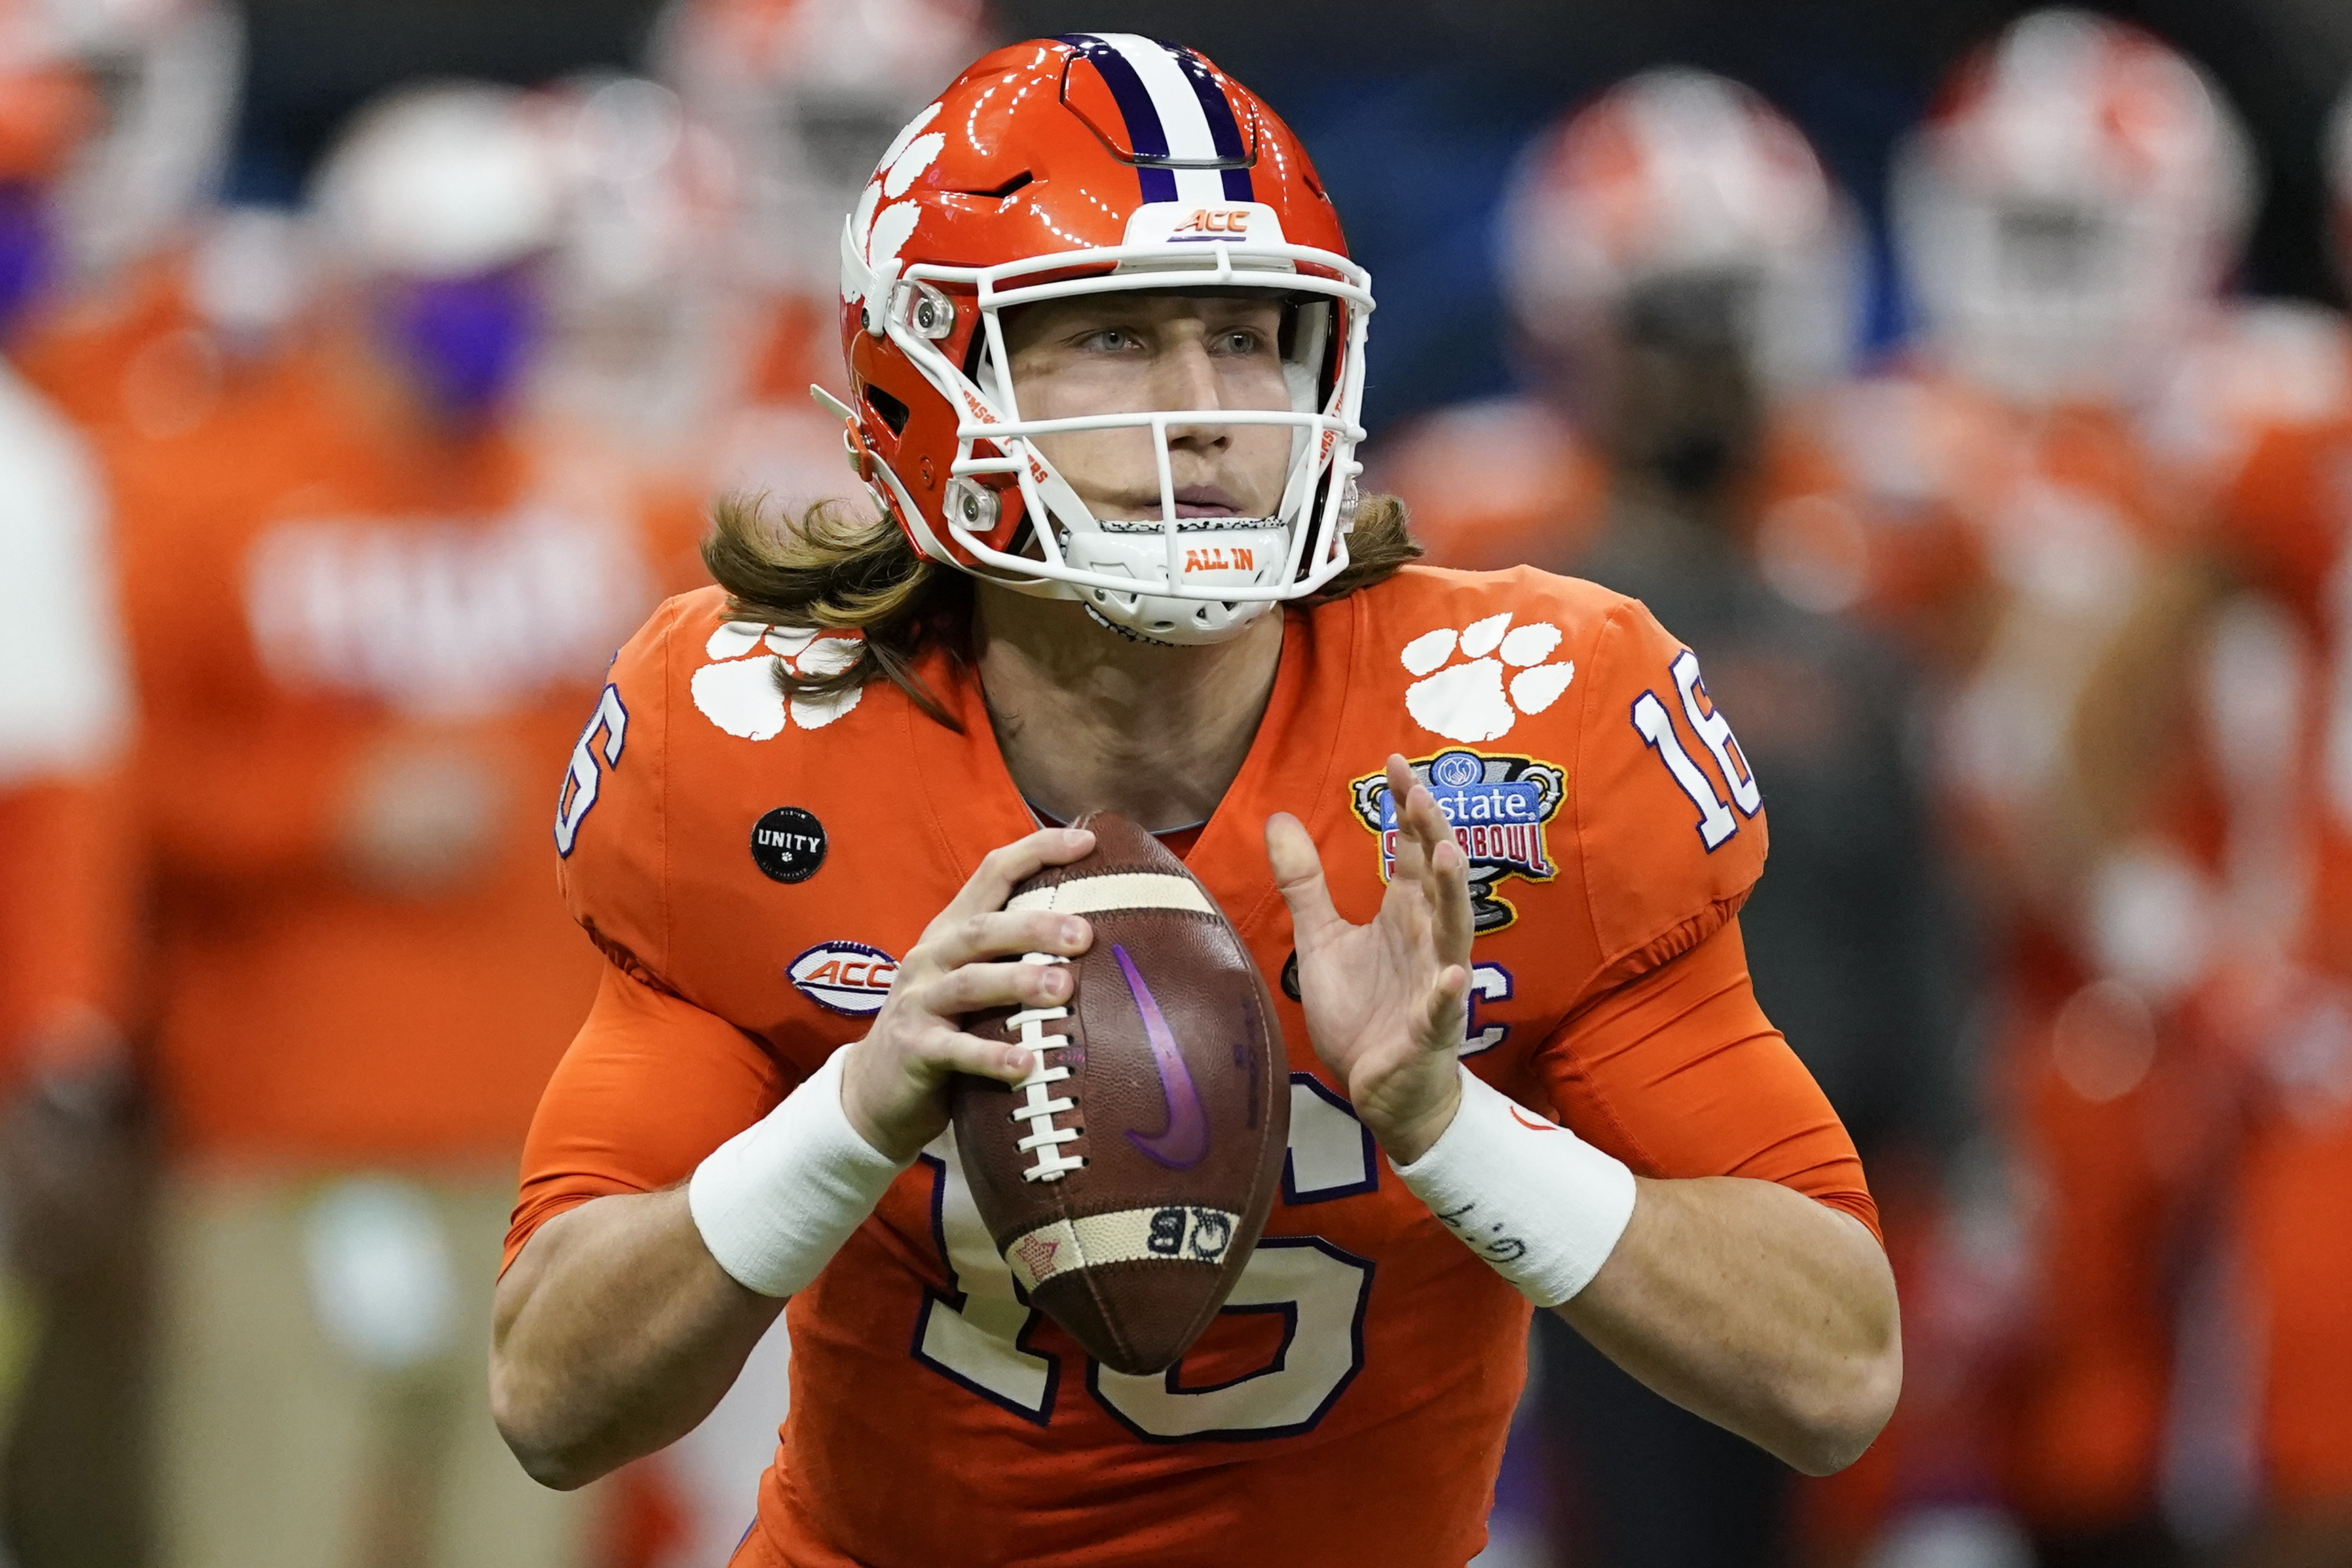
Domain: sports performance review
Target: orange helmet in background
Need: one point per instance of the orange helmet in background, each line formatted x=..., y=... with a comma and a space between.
x=1679, y=174
x=2072, y=207
x=1094, y=164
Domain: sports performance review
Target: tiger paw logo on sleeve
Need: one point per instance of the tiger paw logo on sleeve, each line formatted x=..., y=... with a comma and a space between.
x=1498, y=806
x=738, y=692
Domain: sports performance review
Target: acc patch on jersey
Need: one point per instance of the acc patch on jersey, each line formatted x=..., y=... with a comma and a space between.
x=1497, y=804
x=847, y=977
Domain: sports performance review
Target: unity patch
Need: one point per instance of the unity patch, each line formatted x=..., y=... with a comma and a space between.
x=1498, y=806
x=788, y=844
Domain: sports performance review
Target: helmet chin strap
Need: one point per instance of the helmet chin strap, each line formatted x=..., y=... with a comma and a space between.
x=1252, y=550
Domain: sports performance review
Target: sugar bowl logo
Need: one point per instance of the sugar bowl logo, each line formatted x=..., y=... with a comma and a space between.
x=1498, y=806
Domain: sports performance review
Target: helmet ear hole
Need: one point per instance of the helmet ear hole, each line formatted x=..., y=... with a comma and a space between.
x=886, y=409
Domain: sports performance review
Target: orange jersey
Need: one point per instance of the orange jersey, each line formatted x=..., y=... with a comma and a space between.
x=134, y=356
x=65, y=922
x=1932, y=507
x=65, y=717
x=321, y=605
x=2280, y=531
x=754, y=868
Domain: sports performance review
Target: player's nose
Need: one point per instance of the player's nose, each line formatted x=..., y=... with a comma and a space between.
x=1187, y=378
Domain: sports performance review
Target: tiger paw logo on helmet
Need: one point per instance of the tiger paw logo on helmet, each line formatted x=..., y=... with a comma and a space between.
x=738, y=691
x=1462, y=692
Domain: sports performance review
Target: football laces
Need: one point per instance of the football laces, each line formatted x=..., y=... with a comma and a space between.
x=1042, y=1105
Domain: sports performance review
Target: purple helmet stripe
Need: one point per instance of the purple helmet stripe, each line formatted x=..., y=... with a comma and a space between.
x=1144, y=131
x=1224, y=129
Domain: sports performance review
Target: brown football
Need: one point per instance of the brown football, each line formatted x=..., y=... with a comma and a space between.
x=1127, y=1179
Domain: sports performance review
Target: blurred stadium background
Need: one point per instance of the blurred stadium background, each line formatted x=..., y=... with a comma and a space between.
x=1987, y=428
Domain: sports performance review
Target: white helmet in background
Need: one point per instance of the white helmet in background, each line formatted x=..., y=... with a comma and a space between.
x=648, y=191
x=115, y=118
x=2339, y=154
x=2071, y=209
x=171, y=74
x=441, y=200
x=807, y=93
x=640, y=324
x=442, y=179
x=1676, y=174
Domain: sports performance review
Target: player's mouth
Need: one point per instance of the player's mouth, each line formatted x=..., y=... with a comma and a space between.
x=1206, y=501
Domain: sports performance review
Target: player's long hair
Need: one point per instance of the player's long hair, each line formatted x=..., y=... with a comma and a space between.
x=831, y=570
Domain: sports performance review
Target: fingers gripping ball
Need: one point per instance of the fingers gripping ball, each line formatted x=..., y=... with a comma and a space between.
x=1126, y=1178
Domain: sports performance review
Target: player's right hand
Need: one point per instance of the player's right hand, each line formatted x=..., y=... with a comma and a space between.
x=894, y=1081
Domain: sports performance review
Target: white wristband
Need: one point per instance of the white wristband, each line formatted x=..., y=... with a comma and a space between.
x=1541, y=1205
x=775, y=1202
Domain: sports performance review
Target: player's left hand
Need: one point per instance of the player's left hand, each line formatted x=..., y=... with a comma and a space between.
x=1387, y=1002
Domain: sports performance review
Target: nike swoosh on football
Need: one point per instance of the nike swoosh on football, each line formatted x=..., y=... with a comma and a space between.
x=1184, y=1142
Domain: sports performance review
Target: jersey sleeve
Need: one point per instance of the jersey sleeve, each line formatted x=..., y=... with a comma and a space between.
x=2278, y=517
x=1678, y=1073
x=650, y=1085
x=612, y=819
x=67, y=925
x=1668, y=820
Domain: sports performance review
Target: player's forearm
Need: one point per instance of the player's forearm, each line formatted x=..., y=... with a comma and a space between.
x=616, y=1331
x=1757, y=1308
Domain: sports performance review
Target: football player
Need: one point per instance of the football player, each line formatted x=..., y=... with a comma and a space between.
x=2259, y=612
x=801, y=93
x=1681, y=270
x=119, y=247
x=362, y=609
x=2066, y=216
x=69, y=1148
x=1488, y=834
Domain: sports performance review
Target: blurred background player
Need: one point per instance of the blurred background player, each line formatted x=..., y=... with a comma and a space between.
x=1680, y=268
x=365, y=615
x=113, y=122
x=2246, y=637
x=118, y=247
x=2067, y=216
x=644, y=312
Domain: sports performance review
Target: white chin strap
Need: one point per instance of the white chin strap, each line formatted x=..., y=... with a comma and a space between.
x=1240, y=551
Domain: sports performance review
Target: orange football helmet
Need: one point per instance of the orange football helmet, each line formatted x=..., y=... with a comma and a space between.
x=2071, y=207
x=1676, y=173
x=1092, y=163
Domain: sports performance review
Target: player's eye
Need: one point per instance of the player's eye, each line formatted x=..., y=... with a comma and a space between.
x=1109, y=341
x=1242, y=340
